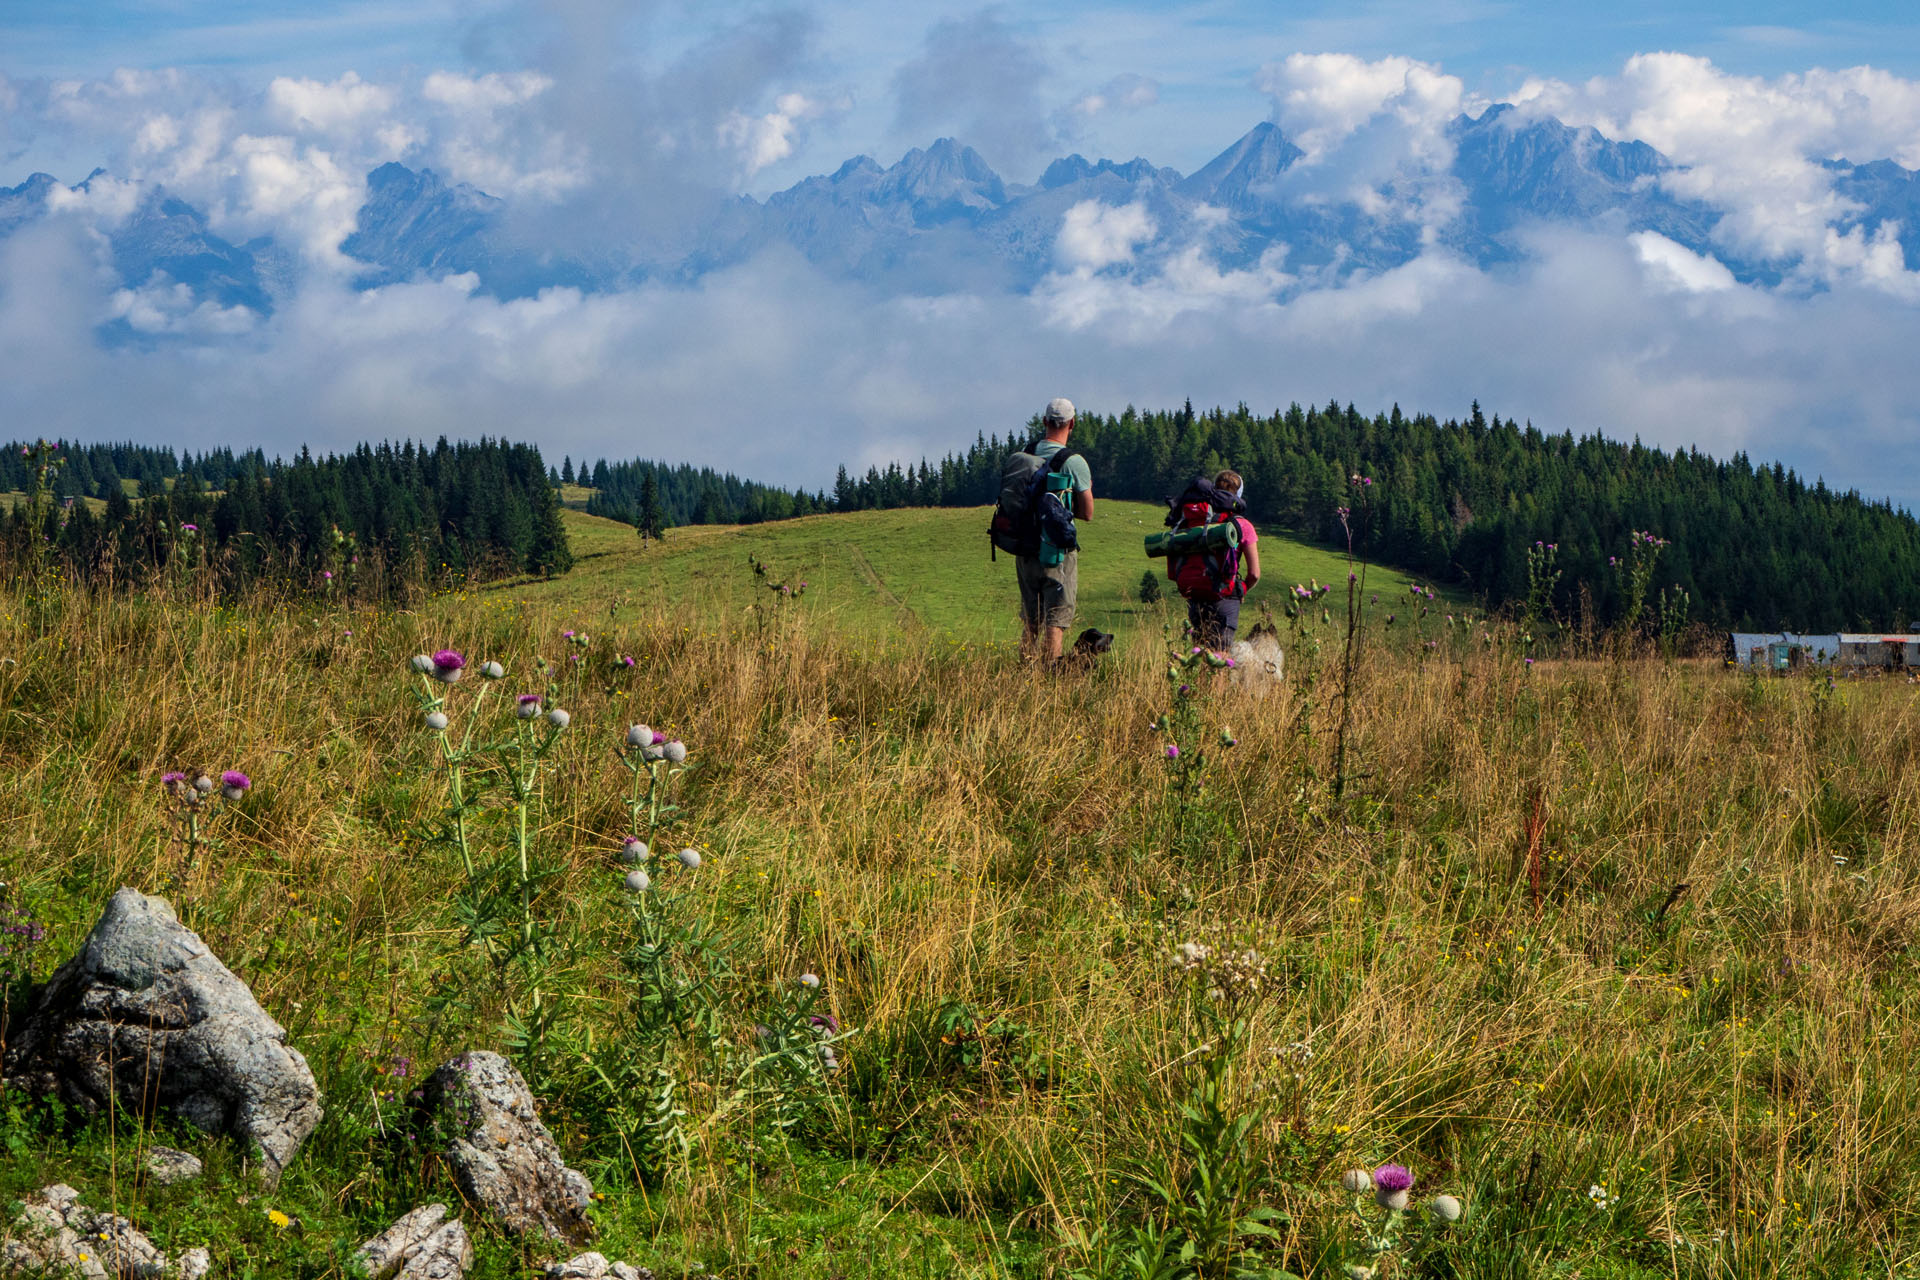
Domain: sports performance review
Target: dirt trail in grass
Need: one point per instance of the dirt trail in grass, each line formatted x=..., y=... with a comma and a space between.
x=868, y=574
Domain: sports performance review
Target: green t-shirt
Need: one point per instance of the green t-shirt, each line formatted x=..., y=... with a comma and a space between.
x=1077, y=468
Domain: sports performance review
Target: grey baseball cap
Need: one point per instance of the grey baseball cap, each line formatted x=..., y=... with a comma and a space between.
x=1059, y=409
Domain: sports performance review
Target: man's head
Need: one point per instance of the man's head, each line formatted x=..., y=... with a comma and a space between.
x=1058, y=419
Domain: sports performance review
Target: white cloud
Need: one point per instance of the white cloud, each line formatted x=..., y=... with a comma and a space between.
x=490, y=92
x=1094, y=235
x=298, y=191
x=1679, y=268
x=104, y=202
x=347, y=106
x=165, y=306
x=1752, y=148
x=768, y=138
x=1321, y=100
x=1374, y=134
x=486, y=130
x=1129, y=92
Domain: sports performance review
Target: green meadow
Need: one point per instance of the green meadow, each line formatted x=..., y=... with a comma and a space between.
x=912, y=572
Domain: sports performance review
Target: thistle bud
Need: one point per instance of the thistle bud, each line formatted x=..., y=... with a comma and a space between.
x=1446, y=1208
x=423, y=664
x=638, y=881
x=676, y=752
x=492, y=670
x=639, y=735
x=558, y=718
x=811, y=981
x=203, y=784
x=1357, y=1181
x=689, y=858
x=437, y=721
x=633, y=849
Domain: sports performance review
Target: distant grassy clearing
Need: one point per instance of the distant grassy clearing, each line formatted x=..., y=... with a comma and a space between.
x=918, y=571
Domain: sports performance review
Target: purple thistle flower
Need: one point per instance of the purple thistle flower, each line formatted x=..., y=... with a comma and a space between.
x=234, y=784
x=1392, y=1177
x=1173, y=751
x=189, y=528
x=172, y=779
x=447, y=664
x=528, y=706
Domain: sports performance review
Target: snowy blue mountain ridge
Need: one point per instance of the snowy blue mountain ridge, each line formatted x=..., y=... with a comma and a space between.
x=941, y=220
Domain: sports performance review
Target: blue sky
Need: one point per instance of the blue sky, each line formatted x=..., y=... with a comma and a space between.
x=1203, y=57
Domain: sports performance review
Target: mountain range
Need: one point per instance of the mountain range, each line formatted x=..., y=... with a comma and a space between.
x=942, y=220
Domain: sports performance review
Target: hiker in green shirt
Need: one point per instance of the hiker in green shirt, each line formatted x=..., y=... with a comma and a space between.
x=1048, y=593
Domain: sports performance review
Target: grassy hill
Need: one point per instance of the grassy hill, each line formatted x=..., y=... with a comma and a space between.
x=918, y=571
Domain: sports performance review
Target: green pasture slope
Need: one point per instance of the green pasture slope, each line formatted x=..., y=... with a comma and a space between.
x=918, y=571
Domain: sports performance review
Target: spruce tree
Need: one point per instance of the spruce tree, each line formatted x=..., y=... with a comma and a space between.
x=653, y=524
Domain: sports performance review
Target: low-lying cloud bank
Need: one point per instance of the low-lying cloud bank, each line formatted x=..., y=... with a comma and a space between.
x=777, y=371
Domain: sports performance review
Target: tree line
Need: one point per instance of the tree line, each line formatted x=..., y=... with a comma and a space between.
x=1461, y=501
x=381, y=520
x=686, y=495
x=101, y=470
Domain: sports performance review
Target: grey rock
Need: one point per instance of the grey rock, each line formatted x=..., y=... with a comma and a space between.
x=167, y=1166
x=502, y=1156
x=146, y=1012
x=194, y=1264
x=421, y=1245
x=55, y=1234
x=594, y=1266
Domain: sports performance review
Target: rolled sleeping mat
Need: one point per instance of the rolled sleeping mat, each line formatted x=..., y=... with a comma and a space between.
x=1194, y=540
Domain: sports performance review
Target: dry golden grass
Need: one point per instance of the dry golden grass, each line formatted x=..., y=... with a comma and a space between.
x=933, y=829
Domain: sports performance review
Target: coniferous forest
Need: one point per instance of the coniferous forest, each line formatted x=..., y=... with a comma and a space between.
x=1462, y=501
x=687, y=495
x=380, y=520
x=1457, y=501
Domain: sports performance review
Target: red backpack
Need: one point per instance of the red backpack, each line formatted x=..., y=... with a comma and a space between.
x=1213, y=573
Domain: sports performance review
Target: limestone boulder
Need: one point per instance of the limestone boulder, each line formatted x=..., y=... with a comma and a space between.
x=54, y=1234
x=422, y=1245
x=594, y=1266
x=146, y=1013
x=166, y=1166
x=501, y=1155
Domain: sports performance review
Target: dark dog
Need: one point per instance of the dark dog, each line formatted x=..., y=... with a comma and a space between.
x=1093, y=642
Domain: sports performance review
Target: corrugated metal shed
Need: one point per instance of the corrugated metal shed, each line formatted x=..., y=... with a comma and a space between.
x=1777, y=649
x=1879, y=649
